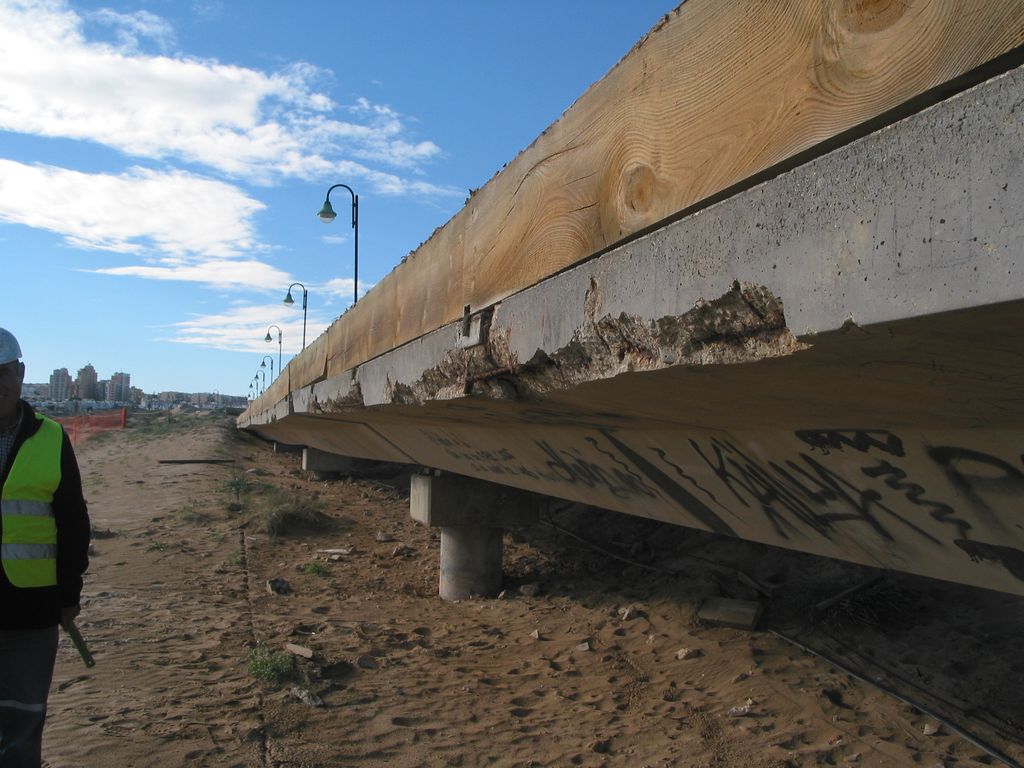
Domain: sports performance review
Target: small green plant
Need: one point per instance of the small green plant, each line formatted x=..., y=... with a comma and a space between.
x=270, y=665
x=156, y=546
x=315, y=569
x=240, y=486
x=285, y=512
x=235, y=558
x=191, y=511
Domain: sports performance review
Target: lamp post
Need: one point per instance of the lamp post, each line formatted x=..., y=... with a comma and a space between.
x=269, y=338
x=327, y=215
x=250, y=391
x=289, y=301
x=256, y=378
x=263, y=364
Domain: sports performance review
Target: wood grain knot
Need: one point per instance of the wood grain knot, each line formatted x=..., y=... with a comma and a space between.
x=867, y=16
x=637, y=189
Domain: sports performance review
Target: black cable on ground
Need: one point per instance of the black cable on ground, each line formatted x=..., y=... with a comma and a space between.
x=959, y=731
x=851, y=650
x=654, y=568
x=962, y=732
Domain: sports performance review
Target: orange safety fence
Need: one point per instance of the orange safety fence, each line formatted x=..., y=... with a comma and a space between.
x=82, y=426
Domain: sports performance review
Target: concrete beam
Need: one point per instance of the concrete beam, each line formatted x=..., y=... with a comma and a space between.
x=315, y=460
x=443, y=499
x=828, y=362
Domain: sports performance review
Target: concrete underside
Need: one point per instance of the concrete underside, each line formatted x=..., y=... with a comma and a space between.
x=831, y=362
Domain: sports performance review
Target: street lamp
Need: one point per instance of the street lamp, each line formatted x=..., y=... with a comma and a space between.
x=263, y=364
x=289, y=301
x=256, y=378
x=250, y=391
x=268, y=338
x=327, y=215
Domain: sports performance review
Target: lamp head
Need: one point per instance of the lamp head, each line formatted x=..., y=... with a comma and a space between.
x=263, y=363
x=288, y=299
x=268, y=337
x=327, y=214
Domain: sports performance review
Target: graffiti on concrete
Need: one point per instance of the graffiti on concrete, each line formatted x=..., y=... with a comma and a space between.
x=1010, y=558
x=826, y=481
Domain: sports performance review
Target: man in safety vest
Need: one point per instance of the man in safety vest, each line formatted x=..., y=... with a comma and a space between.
x=44, y=552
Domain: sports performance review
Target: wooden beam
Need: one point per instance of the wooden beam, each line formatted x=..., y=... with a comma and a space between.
x=717, y=92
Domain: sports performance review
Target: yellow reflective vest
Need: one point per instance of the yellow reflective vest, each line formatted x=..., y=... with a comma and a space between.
x=29, y=546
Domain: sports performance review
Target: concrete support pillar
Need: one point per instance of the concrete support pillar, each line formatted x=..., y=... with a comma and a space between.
x=326, y=465
x=472, y=515
x=470, y=561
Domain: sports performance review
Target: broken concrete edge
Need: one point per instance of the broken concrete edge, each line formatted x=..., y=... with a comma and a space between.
x=744, y=325
x=836, y=208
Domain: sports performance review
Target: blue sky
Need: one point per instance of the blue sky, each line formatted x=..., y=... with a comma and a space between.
x=162, y=162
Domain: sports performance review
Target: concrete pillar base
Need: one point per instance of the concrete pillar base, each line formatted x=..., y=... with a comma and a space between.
x=472, y=515
x=470, y=562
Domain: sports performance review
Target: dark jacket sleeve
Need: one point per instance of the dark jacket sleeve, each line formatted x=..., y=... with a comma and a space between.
x=73, y=532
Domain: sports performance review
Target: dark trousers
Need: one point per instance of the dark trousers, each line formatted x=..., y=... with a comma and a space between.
x=26, y=670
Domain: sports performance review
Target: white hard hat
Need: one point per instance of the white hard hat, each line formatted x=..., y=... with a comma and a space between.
x=9, y=349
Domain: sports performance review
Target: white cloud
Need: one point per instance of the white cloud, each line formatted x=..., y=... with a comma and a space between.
x=130, y=29
x=218, y=274
x=238, y=121
x=179, y=214
x=244, y=329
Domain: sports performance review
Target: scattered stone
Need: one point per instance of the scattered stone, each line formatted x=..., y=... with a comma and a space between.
x=333, y=558
x=401, y=550
x=535, y=634
x=688, y=653
x=257, y=471
x=529, y=590
x=740, y=677
x=583, y=647
x=601, y=746
x=278, y=586
x=854, y=758
x=299, y=650
x=234, y=506
x=367, y=662
x=306, y=697
x=339, y=551
x=930, y=729
x=743, y=710
x=96, y=533
x=502, y=595
x=384, y=537
x=724, y=612
x=627, y=613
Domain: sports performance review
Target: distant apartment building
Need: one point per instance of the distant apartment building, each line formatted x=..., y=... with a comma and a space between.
x=118, y=388
x=87, y=383
x=61, y=385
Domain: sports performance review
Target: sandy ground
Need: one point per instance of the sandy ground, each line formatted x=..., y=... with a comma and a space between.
x=578, y=664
